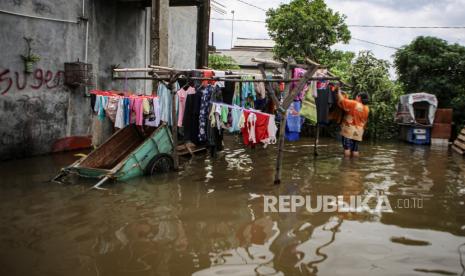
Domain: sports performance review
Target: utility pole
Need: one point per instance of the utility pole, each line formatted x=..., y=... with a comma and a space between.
x=232, y=28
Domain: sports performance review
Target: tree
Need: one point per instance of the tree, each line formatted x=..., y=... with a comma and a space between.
x=306, y=28
x=340, y=63
x=430, y=64
x=221, y=62
x=371, y=75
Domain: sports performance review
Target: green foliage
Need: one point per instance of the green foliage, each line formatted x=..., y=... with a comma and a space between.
x=431, y=65
x=306, y=28
x=31, y=58
x=340, y=64
x=371, y=75
x=221, y=62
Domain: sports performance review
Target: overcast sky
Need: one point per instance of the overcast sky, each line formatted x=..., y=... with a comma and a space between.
x=366, y=12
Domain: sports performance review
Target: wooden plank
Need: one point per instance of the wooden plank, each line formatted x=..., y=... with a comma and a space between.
x=459, y=144
x=462, y=131
x=461, y=137
x=456, y=149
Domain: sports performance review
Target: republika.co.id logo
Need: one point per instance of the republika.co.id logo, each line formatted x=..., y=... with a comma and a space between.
x=374, y=202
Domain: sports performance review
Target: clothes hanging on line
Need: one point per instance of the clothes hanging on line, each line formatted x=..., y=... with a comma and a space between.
x=182, y=97
x=208, y=74
x=248, y=95
x=124, y=110
x=260, y=87
x=190, y=120
x=324, y=100
x=308, y=110
x=206, y=93
x=298, y=73
x=166, y=102
x=294, y=122
x=153, y=118
x=256, y=127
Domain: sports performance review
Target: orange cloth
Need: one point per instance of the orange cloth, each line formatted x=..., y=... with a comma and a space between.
x=355, y=118
x=208, y=74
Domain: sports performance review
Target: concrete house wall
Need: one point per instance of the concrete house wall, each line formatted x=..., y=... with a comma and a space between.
x=37, y=109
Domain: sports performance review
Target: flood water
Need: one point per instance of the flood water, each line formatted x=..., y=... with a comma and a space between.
x=208, y=219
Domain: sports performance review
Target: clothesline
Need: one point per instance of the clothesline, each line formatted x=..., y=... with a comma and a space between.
x=227, y=79
x=114, y=94
x=241, y=108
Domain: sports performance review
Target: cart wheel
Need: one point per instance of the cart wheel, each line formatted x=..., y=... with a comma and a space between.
x=161, y=163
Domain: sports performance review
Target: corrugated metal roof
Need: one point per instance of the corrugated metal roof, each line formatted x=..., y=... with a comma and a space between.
x=244, y=57
x=254, y=43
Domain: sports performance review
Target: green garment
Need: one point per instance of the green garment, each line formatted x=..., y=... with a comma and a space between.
x=309, y=108
x=224, y=114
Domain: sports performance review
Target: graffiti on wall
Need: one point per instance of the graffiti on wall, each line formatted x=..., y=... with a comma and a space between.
x=38, y=79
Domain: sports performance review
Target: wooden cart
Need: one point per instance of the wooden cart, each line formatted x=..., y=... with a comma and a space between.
x=128, y=153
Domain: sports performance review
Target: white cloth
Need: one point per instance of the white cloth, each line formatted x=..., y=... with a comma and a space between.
x=156, y=108
x=251, y=120
x=219, y=74
x=272, y=129
x=119, y=120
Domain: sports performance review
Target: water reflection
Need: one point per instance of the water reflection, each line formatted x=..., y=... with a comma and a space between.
x=208, y=219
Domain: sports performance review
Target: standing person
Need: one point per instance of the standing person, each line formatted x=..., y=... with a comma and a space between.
x=353, y=123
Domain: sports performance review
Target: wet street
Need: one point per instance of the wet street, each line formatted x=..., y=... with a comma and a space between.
x=208, y=219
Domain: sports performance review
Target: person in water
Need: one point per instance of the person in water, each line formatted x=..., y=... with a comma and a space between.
x=354, y=121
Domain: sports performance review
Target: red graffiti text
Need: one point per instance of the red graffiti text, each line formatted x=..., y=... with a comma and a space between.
x=38, y=79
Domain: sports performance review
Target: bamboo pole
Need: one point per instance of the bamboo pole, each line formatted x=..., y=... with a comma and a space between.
x=133, y=69
x=226, y=79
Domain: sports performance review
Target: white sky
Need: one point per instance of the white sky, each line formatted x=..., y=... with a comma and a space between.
x=366, y=12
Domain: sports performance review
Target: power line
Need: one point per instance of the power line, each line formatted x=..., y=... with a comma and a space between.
x=252, y=5
x=360, y=26
x=219, y=3
x=407, y=27
x=374, y=43
x=239, y=20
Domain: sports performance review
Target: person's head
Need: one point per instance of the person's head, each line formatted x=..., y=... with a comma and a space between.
x=363, y=98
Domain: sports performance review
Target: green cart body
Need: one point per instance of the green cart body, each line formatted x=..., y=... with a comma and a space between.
x=128, y=153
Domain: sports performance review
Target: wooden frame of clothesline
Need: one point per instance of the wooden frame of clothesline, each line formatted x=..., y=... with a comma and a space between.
x=171, y=75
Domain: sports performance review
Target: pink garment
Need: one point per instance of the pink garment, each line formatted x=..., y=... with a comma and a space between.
x=299, y=73
x=182, y=96
x=136, y=111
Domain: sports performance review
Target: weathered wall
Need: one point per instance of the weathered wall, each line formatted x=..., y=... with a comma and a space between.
x=178, y=36
x=182, y=39
x=37, y=109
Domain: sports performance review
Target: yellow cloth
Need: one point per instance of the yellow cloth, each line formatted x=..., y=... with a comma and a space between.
x=309, y=107
x=146, y=106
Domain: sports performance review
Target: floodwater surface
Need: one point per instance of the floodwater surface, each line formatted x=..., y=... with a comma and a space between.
x=209, y=219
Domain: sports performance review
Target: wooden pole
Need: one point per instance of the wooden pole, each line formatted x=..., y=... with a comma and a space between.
x=279, y=159
x=174, y=120
x=317, y=138
x=271, y=91
x=282, y=130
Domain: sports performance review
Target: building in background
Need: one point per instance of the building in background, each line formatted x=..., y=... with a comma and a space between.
x=247, y=48
x=37, y=109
